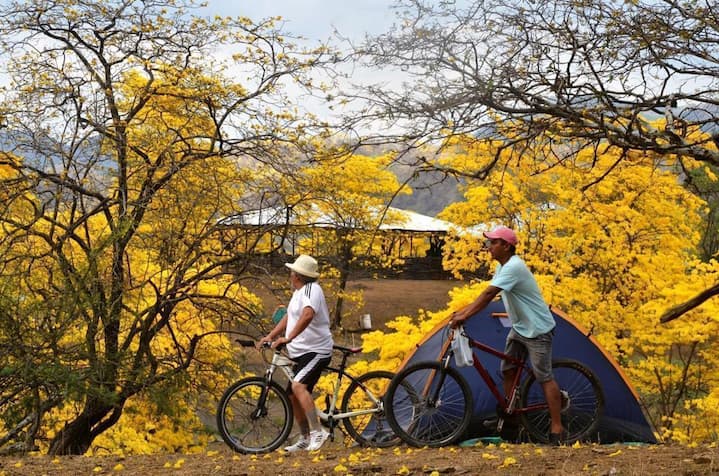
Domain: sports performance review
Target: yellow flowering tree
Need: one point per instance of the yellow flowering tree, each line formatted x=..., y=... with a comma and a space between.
x=125, y=140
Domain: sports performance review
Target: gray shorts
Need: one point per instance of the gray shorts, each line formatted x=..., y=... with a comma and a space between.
x=538, y=349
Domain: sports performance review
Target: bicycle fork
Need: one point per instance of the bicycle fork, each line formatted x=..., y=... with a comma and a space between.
x=261, y=409
x=278, y=361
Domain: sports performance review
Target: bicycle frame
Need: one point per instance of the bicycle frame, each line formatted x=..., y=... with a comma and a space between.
x=285, y=364
x=508, y=405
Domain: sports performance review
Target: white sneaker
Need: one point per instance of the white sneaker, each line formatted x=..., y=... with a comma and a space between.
x=301, y=444
x=317, y=439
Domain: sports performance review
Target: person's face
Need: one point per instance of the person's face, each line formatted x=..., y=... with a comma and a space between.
x=498, y=248
x=295, y=281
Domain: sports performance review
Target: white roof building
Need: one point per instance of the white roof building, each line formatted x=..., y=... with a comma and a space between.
x=396, y=220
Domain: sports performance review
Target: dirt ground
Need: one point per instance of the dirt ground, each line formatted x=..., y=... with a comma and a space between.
x=336, y=459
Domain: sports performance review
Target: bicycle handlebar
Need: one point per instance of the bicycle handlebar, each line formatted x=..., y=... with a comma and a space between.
x=251, y=343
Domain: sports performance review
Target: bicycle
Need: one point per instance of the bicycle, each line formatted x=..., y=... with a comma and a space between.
x=255, y=415
x=429, y=403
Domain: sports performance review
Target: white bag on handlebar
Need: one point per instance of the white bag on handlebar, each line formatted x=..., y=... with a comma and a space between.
x=462, y=351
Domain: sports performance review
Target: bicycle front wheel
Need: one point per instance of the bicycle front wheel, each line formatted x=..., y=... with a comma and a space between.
x=248, y=426
x=582, y=402
x=428, y=404
x=364, y=396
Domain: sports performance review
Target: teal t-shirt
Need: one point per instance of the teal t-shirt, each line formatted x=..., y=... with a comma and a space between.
x=525, y=305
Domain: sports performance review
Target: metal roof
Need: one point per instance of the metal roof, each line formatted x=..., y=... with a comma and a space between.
x=401, y=220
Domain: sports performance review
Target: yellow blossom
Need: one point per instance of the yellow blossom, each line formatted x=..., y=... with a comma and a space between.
x=508, y=461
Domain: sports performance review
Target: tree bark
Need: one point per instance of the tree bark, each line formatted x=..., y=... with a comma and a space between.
x=687, y=306
x=77, y=435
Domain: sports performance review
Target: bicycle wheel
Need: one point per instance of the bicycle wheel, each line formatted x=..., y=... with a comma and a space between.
x=366, y=393
x=428, y=404
x=582, y=402
x=246, y=426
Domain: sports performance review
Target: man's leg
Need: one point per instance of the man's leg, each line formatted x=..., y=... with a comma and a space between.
x=307, y=374
x=300, y=416
x=554, y=400
x=304, y=408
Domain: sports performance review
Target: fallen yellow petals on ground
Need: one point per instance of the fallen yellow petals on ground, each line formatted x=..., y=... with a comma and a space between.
x=178, y=464
x=340, y=468
x=616, y=453
x=489, y=456
x=508, y=461
x=403, y=470
x=118, y=467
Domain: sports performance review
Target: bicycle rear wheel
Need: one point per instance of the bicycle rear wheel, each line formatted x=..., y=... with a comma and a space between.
x=248, y=427
x=428, y=404
x=582, y=402
x=366, y=392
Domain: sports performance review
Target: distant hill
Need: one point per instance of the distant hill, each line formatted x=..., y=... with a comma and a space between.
x=432, y=191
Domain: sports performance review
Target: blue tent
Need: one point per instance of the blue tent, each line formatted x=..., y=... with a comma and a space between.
x=623, y=419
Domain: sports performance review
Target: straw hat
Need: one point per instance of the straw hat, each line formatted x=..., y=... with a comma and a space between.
x=304, y=265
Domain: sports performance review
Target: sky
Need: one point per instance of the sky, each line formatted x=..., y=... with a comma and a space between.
x=314, y=19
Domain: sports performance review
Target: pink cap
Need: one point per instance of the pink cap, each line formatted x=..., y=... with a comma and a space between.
x=503, y=233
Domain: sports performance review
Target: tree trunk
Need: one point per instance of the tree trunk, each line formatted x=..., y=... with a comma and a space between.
x=77, y=435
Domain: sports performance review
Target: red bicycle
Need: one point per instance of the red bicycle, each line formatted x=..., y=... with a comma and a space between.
x=430, y=403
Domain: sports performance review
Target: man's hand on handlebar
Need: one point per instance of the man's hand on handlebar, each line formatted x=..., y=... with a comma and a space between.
x=274, y=344
x=264, y=342
x=279, y=342
x=457, y=319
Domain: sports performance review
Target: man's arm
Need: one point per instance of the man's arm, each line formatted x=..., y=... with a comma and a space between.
x=305, y=318
x=482, y=301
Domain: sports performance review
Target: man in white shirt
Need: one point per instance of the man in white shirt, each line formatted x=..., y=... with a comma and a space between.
x=305, y=330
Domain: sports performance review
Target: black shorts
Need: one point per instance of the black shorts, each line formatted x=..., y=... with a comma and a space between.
x=308, y=368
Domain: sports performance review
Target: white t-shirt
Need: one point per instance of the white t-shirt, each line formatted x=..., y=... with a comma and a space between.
x=317, y=336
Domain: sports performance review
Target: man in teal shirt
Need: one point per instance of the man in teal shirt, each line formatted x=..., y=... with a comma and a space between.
x=532, y=322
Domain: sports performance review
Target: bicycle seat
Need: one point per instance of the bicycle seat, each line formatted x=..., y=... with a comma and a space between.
x=347, y=350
